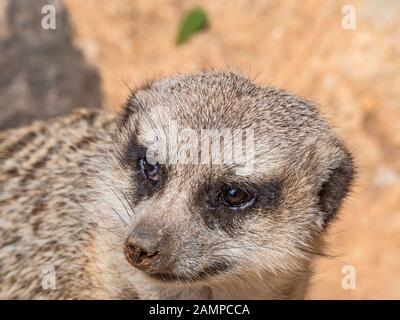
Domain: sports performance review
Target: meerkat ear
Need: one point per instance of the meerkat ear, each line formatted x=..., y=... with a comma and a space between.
x=336, y=187
x=129, y=108
x=132, y=104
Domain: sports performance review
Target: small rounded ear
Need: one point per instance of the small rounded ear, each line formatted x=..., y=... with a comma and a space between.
x=337, y=186
x=133, y=104
x=129, y=108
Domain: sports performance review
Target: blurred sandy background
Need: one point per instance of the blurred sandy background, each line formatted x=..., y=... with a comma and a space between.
x=299, y=45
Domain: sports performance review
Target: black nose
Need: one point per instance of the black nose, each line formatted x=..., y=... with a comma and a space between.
x=138, y=255
x=143, y=247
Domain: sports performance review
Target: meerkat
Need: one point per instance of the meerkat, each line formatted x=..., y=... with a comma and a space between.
x=84, y=208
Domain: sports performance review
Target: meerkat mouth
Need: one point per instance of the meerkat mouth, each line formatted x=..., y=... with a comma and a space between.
x=212, y=270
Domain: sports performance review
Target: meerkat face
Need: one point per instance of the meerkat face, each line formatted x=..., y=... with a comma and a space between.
x=222, y=177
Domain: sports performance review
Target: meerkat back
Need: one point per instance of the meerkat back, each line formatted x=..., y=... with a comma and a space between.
x=43, y=188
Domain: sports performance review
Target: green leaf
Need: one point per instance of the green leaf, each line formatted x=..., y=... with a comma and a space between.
x=194, y=21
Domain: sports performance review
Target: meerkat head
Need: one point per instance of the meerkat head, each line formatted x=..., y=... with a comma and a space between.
x=221, y=177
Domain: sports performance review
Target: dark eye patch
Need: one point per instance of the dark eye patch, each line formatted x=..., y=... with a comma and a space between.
x=216, y=215
x=141, y=188
x=133, y=151
x=270, y=193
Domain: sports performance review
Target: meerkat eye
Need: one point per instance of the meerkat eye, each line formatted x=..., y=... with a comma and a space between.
x=236, y=198
x=150, y=171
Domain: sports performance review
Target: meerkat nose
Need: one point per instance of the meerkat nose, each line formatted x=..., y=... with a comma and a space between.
x=144, y=248
x=139, y=256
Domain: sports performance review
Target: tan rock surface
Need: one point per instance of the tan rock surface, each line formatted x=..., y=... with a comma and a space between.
x=298, y=45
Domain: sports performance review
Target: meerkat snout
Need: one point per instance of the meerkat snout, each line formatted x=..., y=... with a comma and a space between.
x=146, y=248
